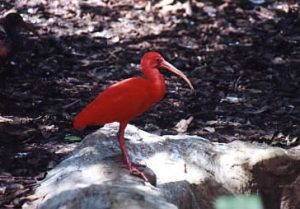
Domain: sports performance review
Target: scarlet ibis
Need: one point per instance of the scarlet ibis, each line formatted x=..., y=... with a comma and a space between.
x=9, y=33
x=125, y=100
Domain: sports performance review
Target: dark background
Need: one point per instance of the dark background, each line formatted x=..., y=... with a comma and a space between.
x=242, y=59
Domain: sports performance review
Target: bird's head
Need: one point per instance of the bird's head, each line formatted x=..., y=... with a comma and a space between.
x=154, y=60
x=13, y=20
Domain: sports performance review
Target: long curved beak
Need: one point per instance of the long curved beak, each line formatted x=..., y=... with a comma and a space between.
x=174, y=70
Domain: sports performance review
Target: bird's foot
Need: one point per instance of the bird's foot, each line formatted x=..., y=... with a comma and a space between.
x=136, y=172
x=134, y=169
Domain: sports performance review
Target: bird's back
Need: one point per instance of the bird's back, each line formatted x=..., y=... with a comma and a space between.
x=120, y=102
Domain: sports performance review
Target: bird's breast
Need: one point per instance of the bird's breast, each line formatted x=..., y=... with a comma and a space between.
x=158, y=88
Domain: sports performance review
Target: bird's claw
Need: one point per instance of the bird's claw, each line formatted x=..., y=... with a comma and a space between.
x=134, y=168
x=136, y=172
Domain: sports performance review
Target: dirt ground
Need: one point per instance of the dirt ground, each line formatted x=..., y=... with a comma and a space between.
x=242, y=59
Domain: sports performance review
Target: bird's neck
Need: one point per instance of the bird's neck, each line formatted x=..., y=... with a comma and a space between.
x=11, y=31
x=157, y=82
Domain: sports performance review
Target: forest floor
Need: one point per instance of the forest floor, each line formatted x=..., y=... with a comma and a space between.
x=242, y=59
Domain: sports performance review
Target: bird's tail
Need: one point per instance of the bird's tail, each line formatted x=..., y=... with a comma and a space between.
x=78, y=122
x=85, y=118
x=93, y=114
x=81, y=120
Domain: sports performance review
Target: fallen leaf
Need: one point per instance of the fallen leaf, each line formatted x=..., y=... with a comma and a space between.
x=210, y=129
x=5, y=120
x=73, y=138
x=231, y=99
x=183, y=125
x=259, y=111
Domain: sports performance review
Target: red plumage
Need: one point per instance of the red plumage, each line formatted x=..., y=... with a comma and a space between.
x=120, y=102
x=128, y=99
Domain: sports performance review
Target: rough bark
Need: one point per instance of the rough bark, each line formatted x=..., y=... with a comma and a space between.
x=190, y=172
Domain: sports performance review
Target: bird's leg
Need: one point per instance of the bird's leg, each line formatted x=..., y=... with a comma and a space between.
x=121, y=140
x=132, y=167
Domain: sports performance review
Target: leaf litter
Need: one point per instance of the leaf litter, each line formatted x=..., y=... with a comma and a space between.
x=243, y=60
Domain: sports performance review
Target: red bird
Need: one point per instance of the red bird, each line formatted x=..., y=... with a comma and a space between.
x=127, y=99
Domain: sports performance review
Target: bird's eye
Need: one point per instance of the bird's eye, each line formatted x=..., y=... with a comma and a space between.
x=158, y=60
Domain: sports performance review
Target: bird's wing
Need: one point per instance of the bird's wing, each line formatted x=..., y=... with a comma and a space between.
x=120, y=102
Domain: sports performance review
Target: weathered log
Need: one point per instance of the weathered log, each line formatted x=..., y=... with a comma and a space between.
x=191, y=172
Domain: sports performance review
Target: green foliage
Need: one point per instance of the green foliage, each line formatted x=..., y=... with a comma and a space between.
x=239, y=202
